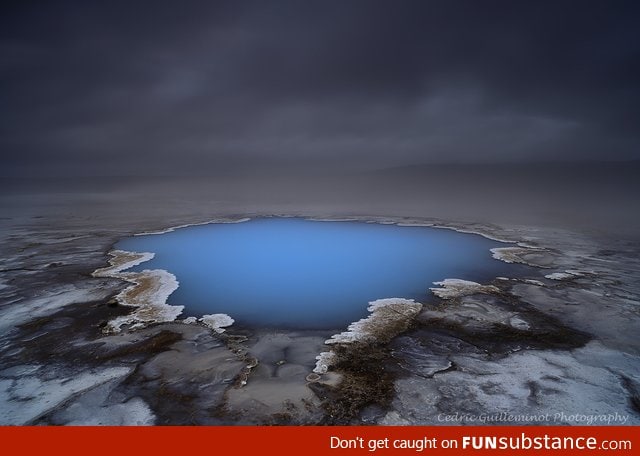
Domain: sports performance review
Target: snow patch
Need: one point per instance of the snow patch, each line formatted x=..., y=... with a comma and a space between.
x=217, y=322
x=25, y=399
x=560, y=384
x=134, y=412
x=47, y=304
x=567, y=275
x=324, y=361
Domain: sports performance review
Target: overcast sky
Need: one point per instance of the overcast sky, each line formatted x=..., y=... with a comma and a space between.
x=197, y=87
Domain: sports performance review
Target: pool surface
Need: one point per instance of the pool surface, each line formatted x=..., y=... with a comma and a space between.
x=297, y=273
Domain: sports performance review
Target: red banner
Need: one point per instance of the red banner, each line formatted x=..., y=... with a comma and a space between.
x=312, y=440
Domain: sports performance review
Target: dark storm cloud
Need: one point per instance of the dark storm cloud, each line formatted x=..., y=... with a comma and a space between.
x=165, y=87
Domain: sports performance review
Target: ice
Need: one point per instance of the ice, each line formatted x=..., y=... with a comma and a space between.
x=567, y=275
x=559, y=384
x=50, y=302
x=24, y=399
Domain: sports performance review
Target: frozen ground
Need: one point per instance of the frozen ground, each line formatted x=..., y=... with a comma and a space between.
x=558, y=341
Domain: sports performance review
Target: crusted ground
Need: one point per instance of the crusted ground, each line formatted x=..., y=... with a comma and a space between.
x=558, y=338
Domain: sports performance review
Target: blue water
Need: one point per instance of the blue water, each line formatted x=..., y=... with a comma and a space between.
x=296, y=273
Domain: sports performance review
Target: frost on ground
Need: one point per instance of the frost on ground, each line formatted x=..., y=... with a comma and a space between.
x=557, y=384
x=324, y=361
x=557, y=351
x=475, y=312
x=560, y=339
x=122, y=260
x=217, y=322
x=563, y=275
x=47, y=303
x=452, y=288
x=25, y=398
x=86, y=412
x=388, y=318
x=148, y=293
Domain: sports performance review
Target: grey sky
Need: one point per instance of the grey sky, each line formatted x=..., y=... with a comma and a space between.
x=206, y=87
